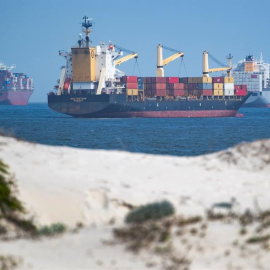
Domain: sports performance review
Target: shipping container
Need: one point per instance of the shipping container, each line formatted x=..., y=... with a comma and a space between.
x=240, y=92
x=140, y=85
x=240, y=86
x=205, y=86
x=172, y=86
x=129, y=79
x=148, y=93
x=140, y=80
x=159, y=86
x=206, y=80
x=178, y=86
x=132, y=92
x=161, y=93
x=183, y=80
x=228, y=80
x=207, y=92
x=218, y=79
x=195, y=92
x=228, y=86
x=218, y=92
x=218, y=86
x=172, y=79
x=178, y=92
x=132, y=85
x=199, y=80
x=159, y=80
x=229, y=92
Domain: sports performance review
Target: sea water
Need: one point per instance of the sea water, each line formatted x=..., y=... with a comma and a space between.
x=165, y=136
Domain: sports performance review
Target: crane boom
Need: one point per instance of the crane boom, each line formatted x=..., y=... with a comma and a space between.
x=125, y=58
x=218, y=69
x=161, y=62
x=172, y=58
x=207, y=70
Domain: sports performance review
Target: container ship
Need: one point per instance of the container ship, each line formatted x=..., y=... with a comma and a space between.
x=15, y=88
x=256, y=75
x=92, y=86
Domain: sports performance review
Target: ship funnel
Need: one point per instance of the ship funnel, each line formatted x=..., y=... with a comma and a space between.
x=205, y=67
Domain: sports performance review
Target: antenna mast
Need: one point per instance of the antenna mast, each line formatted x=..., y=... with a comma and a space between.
x=87, y=24
x=230, y=57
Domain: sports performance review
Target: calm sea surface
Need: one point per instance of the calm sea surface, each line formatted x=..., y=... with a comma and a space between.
x=171, y=136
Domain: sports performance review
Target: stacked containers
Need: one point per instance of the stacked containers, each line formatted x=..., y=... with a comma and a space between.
x=218, y=86
x=176, y=89
x=140, y=83
x=131, y=85
x=14, y=81
x=228, y=86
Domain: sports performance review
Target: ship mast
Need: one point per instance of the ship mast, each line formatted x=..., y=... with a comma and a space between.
x=230, y=57
x=87, y=24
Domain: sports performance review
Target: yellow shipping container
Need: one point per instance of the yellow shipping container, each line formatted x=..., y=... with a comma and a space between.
x=84, y=64
x=228, y=79
x=206, y=80
x=217, y=86
x=132, y=92
x=218, y=92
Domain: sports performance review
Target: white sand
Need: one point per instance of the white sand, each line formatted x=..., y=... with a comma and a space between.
x=68, y=185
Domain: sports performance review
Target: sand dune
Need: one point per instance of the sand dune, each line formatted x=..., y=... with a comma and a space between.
x=94, y=187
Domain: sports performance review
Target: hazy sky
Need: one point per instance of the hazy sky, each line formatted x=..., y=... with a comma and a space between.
x=33, y=31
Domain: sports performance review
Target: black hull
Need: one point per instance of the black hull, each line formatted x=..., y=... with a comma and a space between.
x=116, y=106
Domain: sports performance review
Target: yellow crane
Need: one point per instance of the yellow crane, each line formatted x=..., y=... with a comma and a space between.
x=161, y=62
x=207, y=70
x=125, y=58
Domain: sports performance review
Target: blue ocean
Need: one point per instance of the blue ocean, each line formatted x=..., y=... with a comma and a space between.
x=165, y=136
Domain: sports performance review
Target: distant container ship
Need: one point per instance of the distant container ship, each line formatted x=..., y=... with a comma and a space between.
x=91, y=86
x=15, y=88
x=256, y=75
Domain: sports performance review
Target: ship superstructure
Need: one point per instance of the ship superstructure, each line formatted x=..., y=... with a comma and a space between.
x=15, y=88
x=91, y=85
x=256, y=75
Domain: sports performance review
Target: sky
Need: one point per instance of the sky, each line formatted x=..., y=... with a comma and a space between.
x=33, y=31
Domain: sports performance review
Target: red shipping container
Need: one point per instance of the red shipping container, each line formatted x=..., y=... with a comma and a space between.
x=160, y=86
x=132, y=85
x=161, y=93
x=178, y=86
x=237, y=86
x=158, y=79
x=218, y=80
x=172, y=80
x=207, y=92
x=129, y=79
x=178, y=92
x=240, y=92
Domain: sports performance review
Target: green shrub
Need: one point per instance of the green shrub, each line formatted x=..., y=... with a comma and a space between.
x=258, y=239
x=52, y=230
x=152, y=211
x=9, y=204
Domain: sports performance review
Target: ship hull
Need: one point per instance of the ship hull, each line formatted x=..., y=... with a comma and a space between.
x=18, y=97
x=261, y=100
x=116, y=106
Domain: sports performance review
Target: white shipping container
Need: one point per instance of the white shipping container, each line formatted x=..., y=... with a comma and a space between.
x=229, y=92
x=228, y=86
